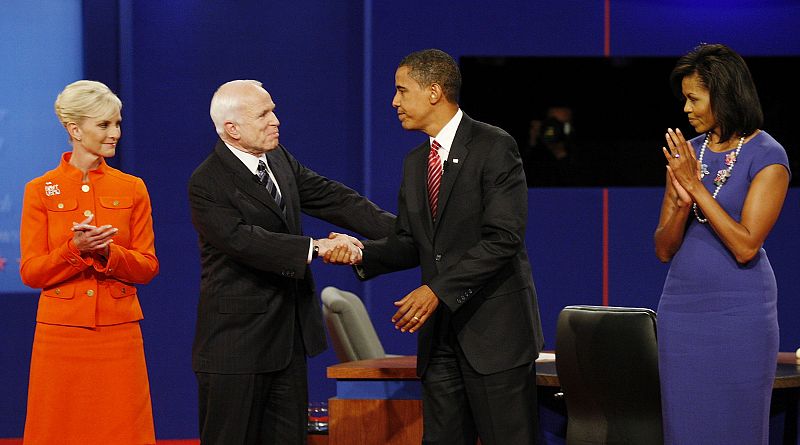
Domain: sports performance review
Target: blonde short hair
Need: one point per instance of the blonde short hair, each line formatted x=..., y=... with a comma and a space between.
x=86, y=99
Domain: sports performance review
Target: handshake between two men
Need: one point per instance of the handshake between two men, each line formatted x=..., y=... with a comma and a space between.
x=339, y=248
x=413, y=310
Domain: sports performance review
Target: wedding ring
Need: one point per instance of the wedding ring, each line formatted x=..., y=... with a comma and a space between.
x=676, y=155
x=415, y=318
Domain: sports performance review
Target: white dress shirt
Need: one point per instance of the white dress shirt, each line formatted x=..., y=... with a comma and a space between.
x=446, y=135
x=251, y=162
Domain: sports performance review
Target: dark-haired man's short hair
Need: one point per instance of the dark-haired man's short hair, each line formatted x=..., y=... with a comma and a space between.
x=431, y=66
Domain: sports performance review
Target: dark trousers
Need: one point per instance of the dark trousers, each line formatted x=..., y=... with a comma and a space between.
x=460, y=404
x=255, y=409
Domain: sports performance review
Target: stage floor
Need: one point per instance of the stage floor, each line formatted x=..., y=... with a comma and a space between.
x=158, y=442
x=313, y=439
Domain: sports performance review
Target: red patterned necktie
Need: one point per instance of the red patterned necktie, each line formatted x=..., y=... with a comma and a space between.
x=434, y=177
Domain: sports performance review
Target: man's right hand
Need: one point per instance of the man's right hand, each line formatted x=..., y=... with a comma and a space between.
x=339, y=248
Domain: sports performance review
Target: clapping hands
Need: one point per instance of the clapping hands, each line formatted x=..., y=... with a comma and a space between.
x=682, y=166
x=91, y=239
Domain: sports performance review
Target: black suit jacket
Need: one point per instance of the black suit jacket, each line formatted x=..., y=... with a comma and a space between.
x=255, y=283
x=473, y=257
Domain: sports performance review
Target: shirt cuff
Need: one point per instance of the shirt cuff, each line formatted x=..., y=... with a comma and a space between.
x=310, y=250
x=359, y=269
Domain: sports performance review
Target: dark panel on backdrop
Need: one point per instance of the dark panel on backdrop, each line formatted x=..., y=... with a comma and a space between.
x=620, y=107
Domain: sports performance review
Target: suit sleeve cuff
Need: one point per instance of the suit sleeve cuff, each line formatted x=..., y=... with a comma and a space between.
x=110, y=263
x=73, y=256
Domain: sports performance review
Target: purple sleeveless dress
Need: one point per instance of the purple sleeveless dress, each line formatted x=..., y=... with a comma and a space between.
x=717, y=321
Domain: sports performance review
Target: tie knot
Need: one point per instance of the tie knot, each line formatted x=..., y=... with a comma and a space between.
x=261, y=166
x=435, y=145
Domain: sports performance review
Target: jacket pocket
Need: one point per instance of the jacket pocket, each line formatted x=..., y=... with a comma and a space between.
x=119, y=290
x=64, y=293
x=243, y=305
x=513, y=284
x=57, y=204
x=116, y=202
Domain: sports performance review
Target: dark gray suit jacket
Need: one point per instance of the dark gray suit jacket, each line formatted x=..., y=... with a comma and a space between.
x=474, y=257
x=255, y=283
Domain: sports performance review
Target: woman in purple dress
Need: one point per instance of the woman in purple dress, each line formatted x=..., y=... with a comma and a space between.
x=717, y=318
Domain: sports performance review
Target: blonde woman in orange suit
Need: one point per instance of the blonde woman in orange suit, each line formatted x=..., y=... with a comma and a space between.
x=87, y=241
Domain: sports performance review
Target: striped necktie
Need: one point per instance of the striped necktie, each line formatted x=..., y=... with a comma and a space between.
x=266, y=180
x=434, y=177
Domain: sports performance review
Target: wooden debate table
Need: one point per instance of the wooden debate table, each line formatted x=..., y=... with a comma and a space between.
x=380, y=401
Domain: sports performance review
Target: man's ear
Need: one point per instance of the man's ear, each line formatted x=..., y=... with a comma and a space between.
x=435, y=93
x=232, y=130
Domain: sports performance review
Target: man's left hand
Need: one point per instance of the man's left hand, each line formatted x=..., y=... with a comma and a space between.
x=415, y=309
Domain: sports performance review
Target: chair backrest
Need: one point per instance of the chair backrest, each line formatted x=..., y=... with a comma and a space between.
x=607, y=363
x=350, y=327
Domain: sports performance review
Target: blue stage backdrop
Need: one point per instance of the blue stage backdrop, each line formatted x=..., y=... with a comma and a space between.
x=330, y=68
x=40, y=49
x=38, y=61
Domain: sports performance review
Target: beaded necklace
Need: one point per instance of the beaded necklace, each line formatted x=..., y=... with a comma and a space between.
x=722, y=174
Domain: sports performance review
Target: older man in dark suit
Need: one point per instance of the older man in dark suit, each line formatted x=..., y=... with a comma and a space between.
x=258, y=315
x=461, y=216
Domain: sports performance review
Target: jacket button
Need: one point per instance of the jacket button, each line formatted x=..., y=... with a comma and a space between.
x=116, y=202
x=87, y=213
x=58, y=291
x=60, y=205
x=438, y=257
x=85, y=188
x=90, y=293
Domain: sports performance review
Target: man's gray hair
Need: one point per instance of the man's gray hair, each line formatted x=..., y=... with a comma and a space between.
x=225, y=103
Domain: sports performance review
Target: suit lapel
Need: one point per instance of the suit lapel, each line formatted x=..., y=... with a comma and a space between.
x=288, y=186
x=245, y=180
x=458, y=154
x=418, y=177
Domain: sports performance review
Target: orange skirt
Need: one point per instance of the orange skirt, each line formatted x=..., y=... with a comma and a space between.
x=88, y=386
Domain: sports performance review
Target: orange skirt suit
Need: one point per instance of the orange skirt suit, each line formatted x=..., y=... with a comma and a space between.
x=88, y=379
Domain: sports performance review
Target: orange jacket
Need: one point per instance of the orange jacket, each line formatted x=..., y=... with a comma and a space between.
x=85, y=290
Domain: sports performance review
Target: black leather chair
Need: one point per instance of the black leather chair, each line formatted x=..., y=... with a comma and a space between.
x=607, y=362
